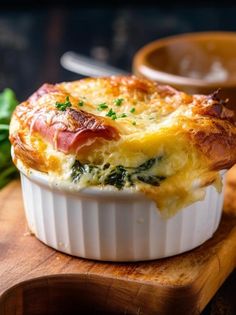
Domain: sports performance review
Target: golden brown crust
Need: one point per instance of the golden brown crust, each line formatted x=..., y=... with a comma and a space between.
x=208, y=125
x=214, y=131
x=31, y=158
x=219, y=145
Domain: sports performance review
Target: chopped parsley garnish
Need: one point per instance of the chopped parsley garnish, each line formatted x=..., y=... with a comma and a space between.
x=65, y=105
x=102, y=106
x=81, y=103
x=118, y=101
x=132, y=110
x=111, y=114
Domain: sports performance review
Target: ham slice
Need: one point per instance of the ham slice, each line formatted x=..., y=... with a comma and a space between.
x=69, y=131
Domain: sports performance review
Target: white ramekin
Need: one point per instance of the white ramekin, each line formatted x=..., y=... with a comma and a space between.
x=114, y=226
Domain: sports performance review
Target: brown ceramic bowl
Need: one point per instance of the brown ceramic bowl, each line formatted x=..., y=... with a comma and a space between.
x=195, y=63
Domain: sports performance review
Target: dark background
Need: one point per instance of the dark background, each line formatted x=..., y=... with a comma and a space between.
x=33, y=38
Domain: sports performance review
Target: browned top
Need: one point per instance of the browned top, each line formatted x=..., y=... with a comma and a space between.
x=203, y=120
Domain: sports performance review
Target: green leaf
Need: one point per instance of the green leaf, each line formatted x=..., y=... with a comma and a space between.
x=7, y=175
x=79, y=169
x=3, y=135
x=4, y=127
x=117, y=177
x=5, y=155
x=8, y=103
x=146, y=165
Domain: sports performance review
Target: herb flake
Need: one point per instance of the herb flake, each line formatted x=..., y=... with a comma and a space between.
x=123, y=115
x=102, y=106
x=118, y=101
x=65, y=105
x=111, y=114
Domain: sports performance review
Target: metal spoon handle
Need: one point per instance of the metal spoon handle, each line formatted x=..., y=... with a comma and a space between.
x=87, y=66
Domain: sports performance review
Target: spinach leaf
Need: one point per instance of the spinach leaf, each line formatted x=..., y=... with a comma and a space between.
x=79, y=169
x=151, y=179
x=145, y=166
x=117, y=177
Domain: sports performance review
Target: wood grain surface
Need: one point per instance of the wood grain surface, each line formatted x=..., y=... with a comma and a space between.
x=35, y=279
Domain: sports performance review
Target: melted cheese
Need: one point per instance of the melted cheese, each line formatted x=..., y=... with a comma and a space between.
x=154, y=128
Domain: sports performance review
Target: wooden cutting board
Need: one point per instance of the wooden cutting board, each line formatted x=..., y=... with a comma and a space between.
x=35, y=279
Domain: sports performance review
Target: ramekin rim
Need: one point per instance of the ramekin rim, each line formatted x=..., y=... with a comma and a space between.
x=93, y=191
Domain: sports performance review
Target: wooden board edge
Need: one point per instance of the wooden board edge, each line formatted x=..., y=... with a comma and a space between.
x=116, y=295
x=207, y=284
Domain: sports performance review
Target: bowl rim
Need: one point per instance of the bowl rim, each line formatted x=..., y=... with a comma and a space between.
x=103, y=192
x=142, y=67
